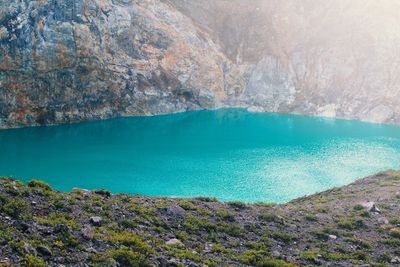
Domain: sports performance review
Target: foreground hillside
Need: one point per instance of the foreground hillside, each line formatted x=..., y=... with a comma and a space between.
x=355, y=225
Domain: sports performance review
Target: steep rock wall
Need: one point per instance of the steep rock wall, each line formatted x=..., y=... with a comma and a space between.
x=73, y=60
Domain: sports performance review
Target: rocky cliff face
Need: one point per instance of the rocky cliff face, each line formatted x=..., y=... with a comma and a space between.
x=72, y=60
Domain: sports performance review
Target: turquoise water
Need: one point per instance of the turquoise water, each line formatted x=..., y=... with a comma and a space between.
x=230, y=154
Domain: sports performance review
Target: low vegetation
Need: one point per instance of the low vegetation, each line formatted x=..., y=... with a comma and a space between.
x=43, y=227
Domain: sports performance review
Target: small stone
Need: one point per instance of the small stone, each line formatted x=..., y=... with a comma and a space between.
x=276, y=254
x=29, y=249
x=91, y=250
x=370, y=206
x=21, y=225
x=45, y=251
x=333, y=237
x=383, y=220
x=95, y=220
x=375, y=209
x=87, y=232
x=62, y=228
x=176, y=211
x=395, y=260
x=174, y=242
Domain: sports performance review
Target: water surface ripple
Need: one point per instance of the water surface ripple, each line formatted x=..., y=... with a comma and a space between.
x=231, y=154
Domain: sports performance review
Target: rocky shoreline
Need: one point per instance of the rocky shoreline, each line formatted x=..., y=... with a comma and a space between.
x=355, y=225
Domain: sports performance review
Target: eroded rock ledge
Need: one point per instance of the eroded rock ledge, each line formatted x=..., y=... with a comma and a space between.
x=356, y=225
x=74, y=60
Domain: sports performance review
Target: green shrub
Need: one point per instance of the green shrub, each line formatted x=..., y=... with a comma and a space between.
x=184, y=254
x=311, y=217
x=53, y=219
x=187, y=205
x=33, y=261
x=130, y=240
x=358, y=207
x=16, y=207
x=269, y=217
x=361, y=243
x=351, y=224
x=6, y=233
x=284, y=237
x=39, y=184
x=225, y=215
x=394, y=242
x=237, y=205
x=182, y=235
x=252, y=257
x=270, y=262
x=395, y=232
x=394, y=221
x=127, y=224
x=218, y=248
x=310, y=255
x=207, y=199
x=128, y=258
x=322, y=209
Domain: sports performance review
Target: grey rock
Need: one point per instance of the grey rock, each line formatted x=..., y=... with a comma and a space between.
x=370, y=206
x=176, y=211
x=383, y=220
x=375, y=209
x=95, y=220
x=174, y=242
x=29, y=249
x=45, y=251
x=395, y=260
x=276, y=254
x=62, y=228
x=103, y=192
x=66, y=61
x=87, y=232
